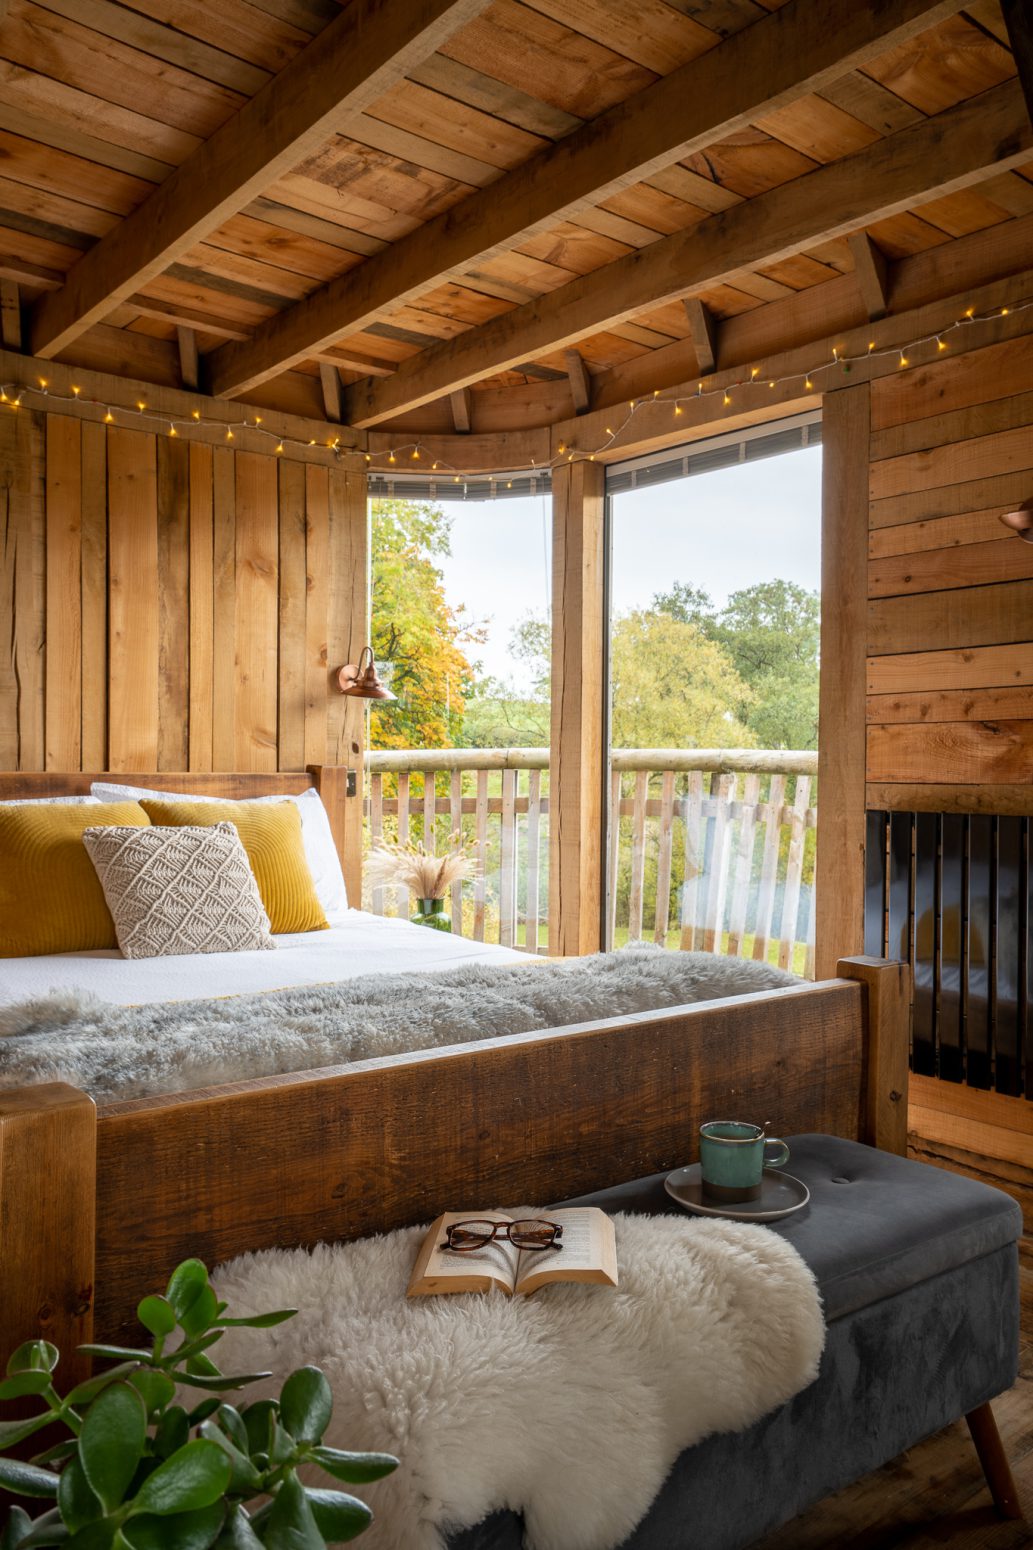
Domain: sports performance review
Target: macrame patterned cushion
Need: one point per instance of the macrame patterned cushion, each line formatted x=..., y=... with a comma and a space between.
x=186, y=890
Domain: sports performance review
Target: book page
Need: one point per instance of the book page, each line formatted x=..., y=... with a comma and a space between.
x=439, y=1269
x=589, y=1252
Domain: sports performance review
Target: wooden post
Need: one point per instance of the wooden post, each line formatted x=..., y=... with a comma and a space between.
x=48, y=1155
x=839, y=881
x=888, y=1026
x=347, y=633
x=576, y=779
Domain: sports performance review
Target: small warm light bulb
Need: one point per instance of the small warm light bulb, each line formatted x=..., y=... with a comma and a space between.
x=433, y=468
x=108, y=418
x=258, y=419
x=279, y=446
x=229, y=434
x=727, y=399
x=76, y=390
x=808, y=384
x=677, y=409
x=1004, y=312
x=754, y=373
x=656, y=392
x=392, y=458
x=141, y=405
x=771, y=384
x=416, y=454
x=871, y=346
x=835, y=354
x=368, y=458
x=570, y=457
x=197, y=414
x=970, y=312
x=173, y=431
x=699, y=390
x=43, y=383
x=941, y=344
x=609, y=431
x=903, y=358
x=631, y=403
x=509, y=484
x=3, y=396
x=561, y=448
x=455, y=479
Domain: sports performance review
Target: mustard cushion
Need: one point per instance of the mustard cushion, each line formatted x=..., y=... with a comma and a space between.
x=271, y=834
x=51, y=900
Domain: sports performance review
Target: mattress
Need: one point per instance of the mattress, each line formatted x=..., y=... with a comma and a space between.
x=360, y=944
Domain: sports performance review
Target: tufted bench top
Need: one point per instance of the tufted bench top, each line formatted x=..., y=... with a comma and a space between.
x=876, y=1223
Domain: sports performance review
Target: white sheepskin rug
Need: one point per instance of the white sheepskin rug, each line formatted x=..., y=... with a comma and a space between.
x=570, y=1406
x=135, y=1051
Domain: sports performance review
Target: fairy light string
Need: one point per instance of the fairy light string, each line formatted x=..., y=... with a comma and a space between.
x=409, y=452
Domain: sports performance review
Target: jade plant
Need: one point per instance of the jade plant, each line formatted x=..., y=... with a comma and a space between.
x=143, y=1469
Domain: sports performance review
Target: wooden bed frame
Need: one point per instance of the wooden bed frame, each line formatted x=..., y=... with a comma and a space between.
x=99, y=1202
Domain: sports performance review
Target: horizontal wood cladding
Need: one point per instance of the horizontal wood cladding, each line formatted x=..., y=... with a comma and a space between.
x=165, y=604
x=950, y=590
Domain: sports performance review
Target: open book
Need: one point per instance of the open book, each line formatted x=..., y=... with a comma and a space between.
x=589, y=1253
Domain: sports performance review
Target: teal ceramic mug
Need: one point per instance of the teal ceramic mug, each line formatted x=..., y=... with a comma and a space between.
x=733, y=1156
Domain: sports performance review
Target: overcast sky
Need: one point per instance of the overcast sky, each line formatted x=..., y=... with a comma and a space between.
x=719, y=531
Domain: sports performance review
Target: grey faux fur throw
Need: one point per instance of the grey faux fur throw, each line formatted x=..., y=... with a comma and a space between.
x=132, y=1052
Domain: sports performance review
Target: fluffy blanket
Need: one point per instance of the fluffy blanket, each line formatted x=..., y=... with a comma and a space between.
x=570, y=1406
x=132, y=1052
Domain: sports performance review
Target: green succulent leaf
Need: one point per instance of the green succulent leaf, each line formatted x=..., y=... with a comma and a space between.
x=156, y=1389
x=95, y=1536
x=196, y=1476
x=178, y=1531
x=202, y=1410
x=258, y=1418
x=83, y=1393
x=57, y=1454
x=258, y=1320
x=237, y=1533
x=224, y=1382
x=201, y=1366
x=31, y=1381
x=76, y=1498
x=355, y=1468
x=306, y=1404
x=18, y=1525
x=27, y=1479
x=118, y=1353
x=172, y=1433
x=282, y=1446
x=200, y=1313
x=245, y=1478
x=229, y=1420
x=291, y=1525
x=157, y=1315
x=12, y=1432
x=50, y=1533
x=112, y=1442
x=186, y=1284
x=338, y=1516
x=35, y=1355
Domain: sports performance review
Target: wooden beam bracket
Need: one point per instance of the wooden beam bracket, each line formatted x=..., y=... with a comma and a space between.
x=189, y=366
x=330, y=381
x=580, y=381
x=703, y=333
x=462, y=405
x=871, y=269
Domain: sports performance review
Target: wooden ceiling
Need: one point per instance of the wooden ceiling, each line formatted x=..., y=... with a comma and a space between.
x=414, y=212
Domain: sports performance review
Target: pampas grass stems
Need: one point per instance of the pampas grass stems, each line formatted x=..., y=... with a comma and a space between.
x=413, y=867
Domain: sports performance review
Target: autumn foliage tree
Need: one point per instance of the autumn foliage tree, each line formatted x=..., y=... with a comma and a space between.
x=415, y=628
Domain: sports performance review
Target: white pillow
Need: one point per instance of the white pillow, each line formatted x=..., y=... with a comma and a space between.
x=54, y=801
x=320, y=850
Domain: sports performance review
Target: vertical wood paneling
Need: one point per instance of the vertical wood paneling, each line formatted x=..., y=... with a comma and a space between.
x=292, y=580
x=347, y=634
x=63, y=695
x=317, y=602
x=173, y=603
x=224, y=669
x=133, y=614
x=22, y=589
x=94, y=594
x=202, y=607
x=257, y=601
x=839, y=883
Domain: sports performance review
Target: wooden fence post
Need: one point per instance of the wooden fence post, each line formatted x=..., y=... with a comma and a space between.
x=48, y=1153
x=888, y=1022
x=576, y=806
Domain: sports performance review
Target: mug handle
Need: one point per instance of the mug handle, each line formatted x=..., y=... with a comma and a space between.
x=782, y=1154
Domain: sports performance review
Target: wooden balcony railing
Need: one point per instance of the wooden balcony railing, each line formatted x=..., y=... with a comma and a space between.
x=710, y=849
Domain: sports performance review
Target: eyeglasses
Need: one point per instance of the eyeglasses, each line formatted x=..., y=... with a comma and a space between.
x=533, y=1233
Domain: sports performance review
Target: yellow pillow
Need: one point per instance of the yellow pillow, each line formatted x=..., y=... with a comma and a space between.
x=270, y=832
x=51, y=900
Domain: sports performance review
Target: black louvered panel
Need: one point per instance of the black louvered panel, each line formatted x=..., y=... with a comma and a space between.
x=898, y=929
x=926, y=940
x=979, y=950
x=876, y=829
x=1007, y=1009
x=949, y=1020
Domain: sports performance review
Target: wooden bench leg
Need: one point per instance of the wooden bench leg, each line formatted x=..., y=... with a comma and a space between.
x=994, y=1460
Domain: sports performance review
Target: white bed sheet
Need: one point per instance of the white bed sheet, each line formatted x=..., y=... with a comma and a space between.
x=361, y=944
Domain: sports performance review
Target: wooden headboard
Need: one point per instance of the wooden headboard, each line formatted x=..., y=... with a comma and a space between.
x=330, y=780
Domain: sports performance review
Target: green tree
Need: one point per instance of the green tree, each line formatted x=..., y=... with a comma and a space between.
x=772, y=632
x=672, y=687
x=415, y=627
x=500, y=714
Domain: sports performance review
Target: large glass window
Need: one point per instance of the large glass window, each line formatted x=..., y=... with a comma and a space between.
x=714, y=636
x=461, y=629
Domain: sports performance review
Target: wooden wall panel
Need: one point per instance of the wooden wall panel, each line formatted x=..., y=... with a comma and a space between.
x=170, y=605
x=133, y=614
x=950, y=590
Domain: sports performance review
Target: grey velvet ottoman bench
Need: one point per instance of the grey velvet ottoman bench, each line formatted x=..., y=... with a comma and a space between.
x=918, y=1270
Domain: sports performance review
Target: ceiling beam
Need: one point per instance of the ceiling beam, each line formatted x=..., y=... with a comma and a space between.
x=366, y=48
x=985, y=135
x=10, y=315
x=785, y=56
x=461, y=410
x=580, y=381
x=871, y=272
x=703, y=333
x=1018, y=20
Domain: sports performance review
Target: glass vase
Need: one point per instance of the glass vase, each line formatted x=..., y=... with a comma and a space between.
x=431, y=912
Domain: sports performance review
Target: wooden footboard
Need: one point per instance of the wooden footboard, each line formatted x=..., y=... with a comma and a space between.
x=346, y=1151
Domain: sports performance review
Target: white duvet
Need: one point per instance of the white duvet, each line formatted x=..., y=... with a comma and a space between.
x=360, y=944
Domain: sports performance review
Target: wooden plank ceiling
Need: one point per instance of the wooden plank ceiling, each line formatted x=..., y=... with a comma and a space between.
x=464, y=209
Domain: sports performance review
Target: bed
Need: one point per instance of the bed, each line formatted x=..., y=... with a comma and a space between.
x=98, y=1201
